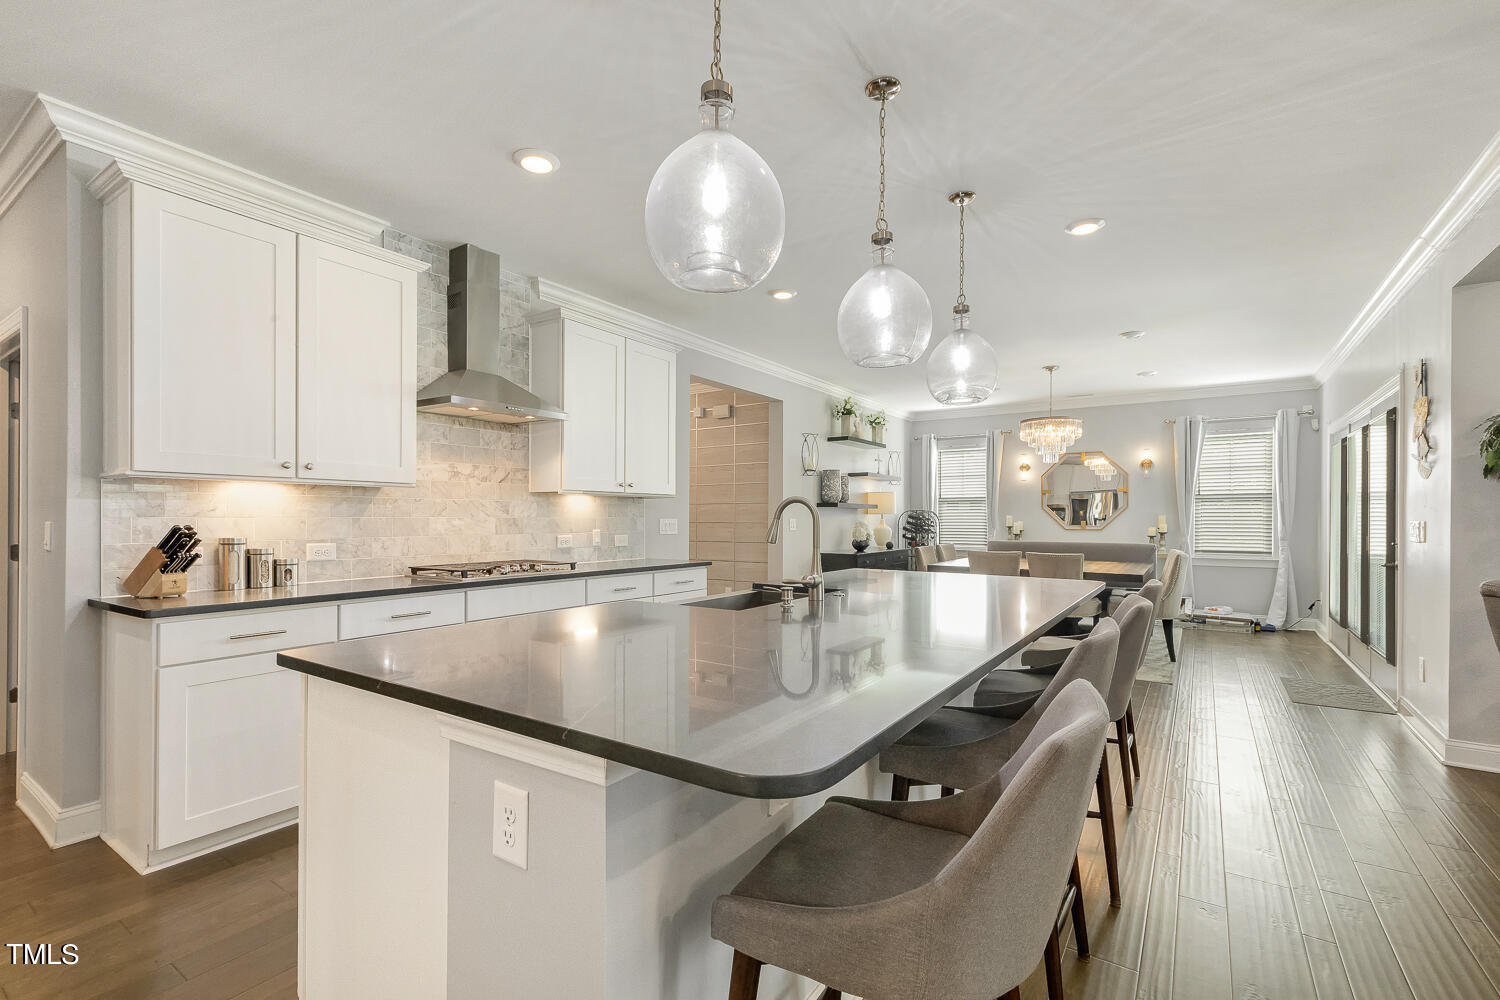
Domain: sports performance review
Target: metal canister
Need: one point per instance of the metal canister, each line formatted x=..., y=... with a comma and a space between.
x=260, y=570
x=287, y=572
x=231, y=564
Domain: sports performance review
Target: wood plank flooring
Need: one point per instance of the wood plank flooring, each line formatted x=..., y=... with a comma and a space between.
x=1276, y=851
x=1288, y=851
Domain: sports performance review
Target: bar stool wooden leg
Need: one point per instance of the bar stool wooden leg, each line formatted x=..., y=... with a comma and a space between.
x=900, y=788
x=744, y=977
x=1080, y=918
x=1135, y=757
x=1122, y=740
x=1053, y=959
x=1106, y=818
x=1014, y=994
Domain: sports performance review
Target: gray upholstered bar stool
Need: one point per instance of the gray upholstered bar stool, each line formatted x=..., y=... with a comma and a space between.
x=994, y=563
x=1490, y=591
x=950, y=899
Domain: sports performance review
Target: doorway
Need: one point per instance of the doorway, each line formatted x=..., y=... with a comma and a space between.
x=1364, y=543
x=12, y=337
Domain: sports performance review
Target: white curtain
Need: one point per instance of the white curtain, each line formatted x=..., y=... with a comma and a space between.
x=1284, y=594
x=1187, y=448
x=927, y=455
x=997, y=466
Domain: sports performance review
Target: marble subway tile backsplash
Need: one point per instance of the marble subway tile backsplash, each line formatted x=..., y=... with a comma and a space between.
x=471, y=500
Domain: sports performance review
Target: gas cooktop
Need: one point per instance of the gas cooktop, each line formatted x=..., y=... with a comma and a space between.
x=492, y=567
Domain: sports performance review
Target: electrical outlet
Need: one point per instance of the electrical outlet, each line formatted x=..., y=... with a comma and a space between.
x=668, y=526
x=596, y=536
x=1422, y=668
x=1416, y=531
x=511, y=819
x=565, y=541
x=621, y=541
x=321, y=551
x=791, y=524
x=46, y=536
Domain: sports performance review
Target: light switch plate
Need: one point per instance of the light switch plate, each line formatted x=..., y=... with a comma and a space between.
x=668, y=526
x=1416, y=531
x=321, y=551
x=512, y=807
x=565, y=541
x=621, y=541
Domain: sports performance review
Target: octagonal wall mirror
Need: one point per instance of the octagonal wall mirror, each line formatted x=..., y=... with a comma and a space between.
x=1085, y=490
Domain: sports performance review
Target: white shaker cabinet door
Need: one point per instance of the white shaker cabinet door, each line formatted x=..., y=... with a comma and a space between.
x=650, y=420
x=229, y=745
x=356, y=367
x=212, y=340
x=593, y=394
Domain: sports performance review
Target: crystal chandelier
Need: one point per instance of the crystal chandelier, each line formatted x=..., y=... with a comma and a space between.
x=715, y=218
x=885, y=319
x=1100, y=466
x=963, y=368
x=1051, y=435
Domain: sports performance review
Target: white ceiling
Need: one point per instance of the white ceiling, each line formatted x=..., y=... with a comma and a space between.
x=1262, y=163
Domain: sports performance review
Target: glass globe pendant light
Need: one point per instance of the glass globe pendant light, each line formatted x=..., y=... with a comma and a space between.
x=963, y=367
x=1051, y=435
x=885, y=319
x=715, y=217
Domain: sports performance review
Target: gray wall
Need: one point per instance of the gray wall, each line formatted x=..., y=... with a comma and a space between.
x=1125, y=432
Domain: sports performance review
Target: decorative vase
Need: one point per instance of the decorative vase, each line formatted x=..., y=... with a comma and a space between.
x=843, y=489
x=828, y=486
x=877, y=434
x=882, y=533
x=860, y=544
x=809, y=454
x=846, y=424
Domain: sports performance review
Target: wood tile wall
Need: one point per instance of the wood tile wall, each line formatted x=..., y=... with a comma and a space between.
x=729, y=502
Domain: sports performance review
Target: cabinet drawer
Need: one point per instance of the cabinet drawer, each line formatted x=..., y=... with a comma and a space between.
x=525, y=599
x=197, y=639
x=604, y=589
x=680, y=581
x=230, y=738
x=401, y=614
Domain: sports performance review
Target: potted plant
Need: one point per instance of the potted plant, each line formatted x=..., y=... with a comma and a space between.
x=861, y=536
x=1489, y=447
x=877, y=427
x=844, y=414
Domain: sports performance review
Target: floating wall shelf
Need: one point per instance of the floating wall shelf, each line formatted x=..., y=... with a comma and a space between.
x=874, y=477
x=849, y=506
x=849, y=439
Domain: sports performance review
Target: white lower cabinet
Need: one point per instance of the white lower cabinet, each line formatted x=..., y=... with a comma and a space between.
x=230, y=741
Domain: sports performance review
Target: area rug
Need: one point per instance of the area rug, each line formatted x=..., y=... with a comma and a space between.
x=1355, y=697
x=1159, y=668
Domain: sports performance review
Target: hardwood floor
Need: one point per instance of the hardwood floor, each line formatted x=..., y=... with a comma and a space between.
x=223, y=926
x=1276, y=851
x=1280, y=850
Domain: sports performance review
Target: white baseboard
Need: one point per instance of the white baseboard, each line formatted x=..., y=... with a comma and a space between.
x=1478, y=756
x=1426, y=730
x=58, y=826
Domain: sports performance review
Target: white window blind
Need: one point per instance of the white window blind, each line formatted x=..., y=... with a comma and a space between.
x=1234, y=504
x=963, y=497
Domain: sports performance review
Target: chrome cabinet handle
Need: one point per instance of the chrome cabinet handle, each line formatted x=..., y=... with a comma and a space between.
x=630, y=485
x=286, y=465
x=308, y=466
x=688, y=580
x=258, y=635
x=409, y=614
x=625, y=590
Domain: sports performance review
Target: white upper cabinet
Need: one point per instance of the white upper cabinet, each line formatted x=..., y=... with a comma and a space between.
x=236, y=349
x=203, y=378
x=356, y=366
x=620, y=395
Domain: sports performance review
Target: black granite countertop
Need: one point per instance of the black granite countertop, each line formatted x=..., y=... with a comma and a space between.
x=756, y=703
x=208, y=602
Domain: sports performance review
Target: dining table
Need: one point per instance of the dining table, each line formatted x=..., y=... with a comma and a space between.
x=1113, y=573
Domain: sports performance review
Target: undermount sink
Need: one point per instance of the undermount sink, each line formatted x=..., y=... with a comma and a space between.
x=743, y=601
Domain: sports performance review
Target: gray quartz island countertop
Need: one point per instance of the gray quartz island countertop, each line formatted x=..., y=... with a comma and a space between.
x=757, y=703
x=217, y=602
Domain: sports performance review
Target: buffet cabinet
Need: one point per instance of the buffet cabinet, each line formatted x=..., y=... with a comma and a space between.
x=203, y=730
x=239, y=349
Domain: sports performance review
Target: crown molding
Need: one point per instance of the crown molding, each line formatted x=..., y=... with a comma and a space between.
x=1462, y=204
x=638, y=325
x=24, y=151
x=140, y=156
x=1304, y=383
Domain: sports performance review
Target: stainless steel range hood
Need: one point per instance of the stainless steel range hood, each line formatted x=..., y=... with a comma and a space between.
x=471, y=388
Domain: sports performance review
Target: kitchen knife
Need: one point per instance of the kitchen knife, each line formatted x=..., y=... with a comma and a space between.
x=179, y=561
x=169, y=539
x=189, y=563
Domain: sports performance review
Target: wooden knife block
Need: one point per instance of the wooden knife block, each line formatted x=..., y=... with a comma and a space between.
x=147, y=579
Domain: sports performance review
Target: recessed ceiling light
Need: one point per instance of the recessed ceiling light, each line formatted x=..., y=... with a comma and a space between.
x=782, y=294
x=535, y=161
x=1148, y=373
x=1133, y=334
x=1084, y=227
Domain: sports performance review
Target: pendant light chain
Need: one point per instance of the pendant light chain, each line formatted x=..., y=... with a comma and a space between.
x=716, y=68
x=881, y=226
x=961, y=207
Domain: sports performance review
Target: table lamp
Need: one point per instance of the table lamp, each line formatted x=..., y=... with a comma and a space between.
x=884, y=503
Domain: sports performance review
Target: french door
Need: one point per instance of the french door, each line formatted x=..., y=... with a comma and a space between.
x=1363, y=544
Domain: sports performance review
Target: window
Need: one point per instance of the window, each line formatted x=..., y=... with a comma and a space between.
x=1234, y=506
x=963, y=500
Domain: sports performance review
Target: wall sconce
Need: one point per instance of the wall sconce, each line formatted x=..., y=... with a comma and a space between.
x=1025, y=471
x=1146, y=463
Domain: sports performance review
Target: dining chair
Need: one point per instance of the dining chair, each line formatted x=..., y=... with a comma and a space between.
x=1170, y=604
x=1490, y=591
x=995, y=563
x=923, y=557
x=1063, y=566
x=947, y=551
x=935, y=900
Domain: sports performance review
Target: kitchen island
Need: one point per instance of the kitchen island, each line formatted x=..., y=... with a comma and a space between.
x=631, y=761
